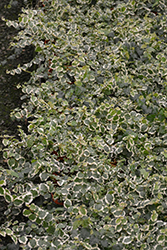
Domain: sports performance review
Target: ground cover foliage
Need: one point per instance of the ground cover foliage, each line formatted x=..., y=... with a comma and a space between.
x=96, y=138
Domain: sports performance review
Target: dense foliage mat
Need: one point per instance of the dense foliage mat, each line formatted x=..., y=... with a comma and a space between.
x=90, y=170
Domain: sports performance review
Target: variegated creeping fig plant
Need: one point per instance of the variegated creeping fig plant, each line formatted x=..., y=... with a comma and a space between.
x=96, y=139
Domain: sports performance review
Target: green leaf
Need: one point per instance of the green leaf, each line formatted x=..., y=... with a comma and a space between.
x=18, y=115
x=43, y=188
x=30, y=142
x=144, y=173
x=72, y=123
x=12, y=173
x=2, y=191
x=26, y=212
x=28, y=198
x=14, y=238
x=11, y=163
x=161, y=238
x=3, y=233
x=163, y=59
x=2, y=182
x=38, y=49
x=48, y=217
x=42, y=214
x=154, y=216
x=23, y=239
x=109, y=198
x=165, y=153
x=159, y=247
x=51, y=229
x=67, y=203
x=156, y=3
x=9, y=231
x=40, y=131
x=86, y=245
x=32, y=243
x=127, y=240
x=32, y=217
x=5, y=142
x=33, y=207
x=18, y=202
x=76, y=224
x=82, y=210
x=78, y=83
x=8, y=197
